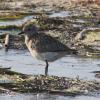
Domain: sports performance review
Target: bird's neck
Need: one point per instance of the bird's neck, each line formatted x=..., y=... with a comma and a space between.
x=27, y=41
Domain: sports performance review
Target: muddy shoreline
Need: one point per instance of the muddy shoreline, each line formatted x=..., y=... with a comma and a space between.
x=16, y=9
x=22, y=83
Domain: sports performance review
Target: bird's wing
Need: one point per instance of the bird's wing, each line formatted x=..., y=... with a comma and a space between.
x=46, y=43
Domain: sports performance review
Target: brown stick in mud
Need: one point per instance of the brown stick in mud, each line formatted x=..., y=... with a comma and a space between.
x=6, y=44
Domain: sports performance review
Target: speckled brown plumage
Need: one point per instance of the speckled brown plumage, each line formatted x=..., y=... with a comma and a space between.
x=46, y=43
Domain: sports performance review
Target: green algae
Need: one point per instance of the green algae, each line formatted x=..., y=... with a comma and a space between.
x=11, y=17
x=9, y=27
x=89, y=42
x=92, y=37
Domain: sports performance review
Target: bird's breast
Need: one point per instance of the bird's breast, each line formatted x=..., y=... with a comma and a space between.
x=49, y=56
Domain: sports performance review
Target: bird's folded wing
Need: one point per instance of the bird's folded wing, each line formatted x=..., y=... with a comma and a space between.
x=46, y=43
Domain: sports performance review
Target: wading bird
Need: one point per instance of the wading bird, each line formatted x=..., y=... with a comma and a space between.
x=43, y=46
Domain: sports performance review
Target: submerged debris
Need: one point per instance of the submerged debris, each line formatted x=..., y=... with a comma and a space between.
x=89, y=39
x=15, y=42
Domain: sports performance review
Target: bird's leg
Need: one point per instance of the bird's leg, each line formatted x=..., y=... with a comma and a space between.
x=46, y=68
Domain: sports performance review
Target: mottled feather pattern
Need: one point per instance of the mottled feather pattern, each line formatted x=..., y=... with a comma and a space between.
x=46, y=43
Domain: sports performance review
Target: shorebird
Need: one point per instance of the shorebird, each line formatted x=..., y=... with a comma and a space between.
x=42, y=46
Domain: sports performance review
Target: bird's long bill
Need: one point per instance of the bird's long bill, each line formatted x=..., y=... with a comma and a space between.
x=21, y=33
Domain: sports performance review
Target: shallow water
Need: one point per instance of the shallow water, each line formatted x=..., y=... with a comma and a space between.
x=60, y=14
x=69, y=66
x=39, y=96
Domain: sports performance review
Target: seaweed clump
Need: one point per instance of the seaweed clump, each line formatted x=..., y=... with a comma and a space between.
x=23, y=83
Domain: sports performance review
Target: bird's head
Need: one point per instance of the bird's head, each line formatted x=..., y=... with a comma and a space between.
x=29, y=29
